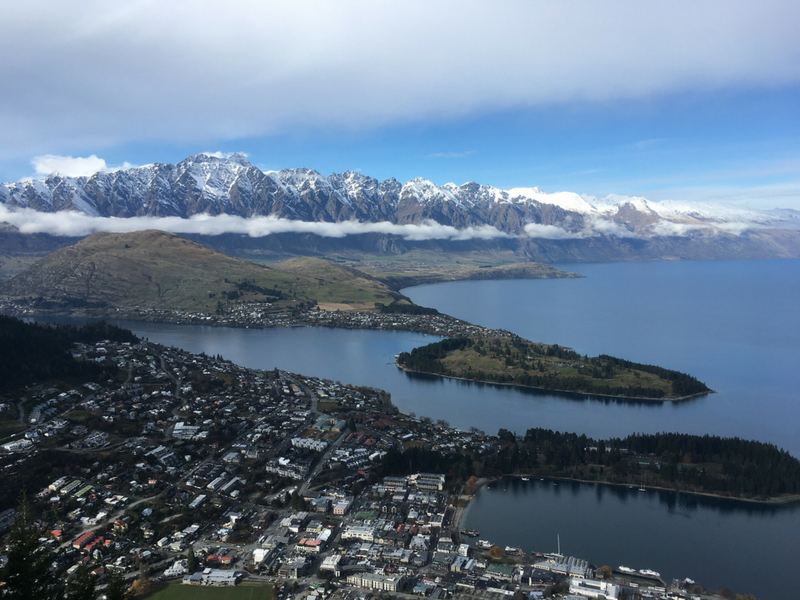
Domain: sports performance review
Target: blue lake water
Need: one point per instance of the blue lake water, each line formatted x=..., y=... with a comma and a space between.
x=719, y=543
x=733, y=324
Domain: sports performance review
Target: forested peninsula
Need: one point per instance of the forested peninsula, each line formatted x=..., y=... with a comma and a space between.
x=512, y=360
x=710, y=465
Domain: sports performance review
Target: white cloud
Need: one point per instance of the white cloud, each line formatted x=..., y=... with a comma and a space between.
x=93, y=74
x=68, y=166
x=71, y=223
x=759, y=197
x=550, y=232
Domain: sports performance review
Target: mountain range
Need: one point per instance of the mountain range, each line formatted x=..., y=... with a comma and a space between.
x=529, y=221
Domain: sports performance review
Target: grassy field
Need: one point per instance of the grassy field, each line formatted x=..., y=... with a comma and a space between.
x=424, y=267
x=463, y=361
x=10, y=426
x=327, y=406
x=243, y=591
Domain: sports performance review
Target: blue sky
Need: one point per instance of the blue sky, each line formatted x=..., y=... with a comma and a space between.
x=681, y=100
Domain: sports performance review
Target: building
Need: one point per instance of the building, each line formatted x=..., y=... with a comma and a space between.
x=428, y=481
x=331, y=563
x=215, y=577
x=566, y=565
x=294, y=569
x=182, y=431
x=386, y=583
x=593, y=588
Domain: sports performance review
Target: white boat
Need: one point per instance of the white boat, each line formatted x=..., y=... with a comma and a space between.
x=622, y=569
x=649, y=573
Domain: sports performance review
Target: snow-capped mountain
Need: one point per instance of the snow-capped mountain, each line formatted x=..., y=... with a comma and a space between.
x=211, y=185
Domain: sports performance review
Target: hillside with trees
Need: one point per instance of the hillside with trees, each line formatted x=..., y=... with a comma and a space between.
x=516, y=361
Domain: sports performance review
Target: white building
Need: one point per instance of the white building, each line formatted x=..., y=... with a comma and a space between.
x=593, y=588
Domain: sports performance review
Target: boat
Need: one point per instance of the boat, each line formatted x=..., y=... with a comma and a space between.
x=470, y=532
x=649, y=573
x=483, y=544
x=526, y=479
x=622, y=569
x=511, y=551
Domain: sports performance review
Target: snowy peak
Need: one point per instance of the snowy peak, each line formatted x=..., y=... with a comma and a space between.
x=214, y=184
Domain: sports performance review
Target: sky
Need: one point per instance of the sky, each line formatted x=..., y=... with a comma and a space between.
x=694, y=101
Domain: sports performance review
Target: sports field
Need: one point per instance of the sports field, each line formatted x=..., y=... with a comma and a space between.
x=177, y=591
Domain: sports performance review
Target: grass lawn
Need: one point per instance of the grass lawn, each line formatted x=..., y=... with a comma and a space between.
x=243, y=591
x=8, y=427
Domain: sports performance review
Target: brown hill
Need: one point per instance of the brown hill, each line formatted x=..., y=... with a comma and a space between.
x=162, y=270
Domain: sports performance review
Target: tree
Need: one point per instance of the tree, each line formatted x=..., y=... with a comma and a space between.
x=117, y=588
x=141, y=587
x=83, y=585
x=496, y=552
x=191, y=561
x=27, y=574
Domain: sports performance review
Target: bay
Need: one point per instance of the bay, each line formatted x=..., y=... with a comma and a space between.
x=748, y=548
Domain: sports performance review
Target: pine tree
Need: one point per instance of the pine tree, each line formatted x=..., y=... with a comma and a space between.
x=27, y=574
x=191, y=561
x=83, y=585
x=117, y=588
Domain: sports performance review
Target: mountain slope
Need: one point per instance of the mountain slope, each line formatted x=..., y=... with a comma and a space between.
x=161, y=270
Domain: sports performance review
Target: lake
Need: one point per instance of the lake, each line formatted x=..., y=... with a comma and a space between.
x=733, y=324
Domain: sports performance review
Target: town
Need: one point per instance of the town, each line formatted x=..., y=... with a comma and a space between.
x=190, y=469
x=263, y=315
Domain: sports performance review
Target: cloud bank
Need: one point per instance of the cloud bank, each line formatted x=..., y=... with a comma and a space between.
x=93, y=74
x=70, y=223
x=77, y=224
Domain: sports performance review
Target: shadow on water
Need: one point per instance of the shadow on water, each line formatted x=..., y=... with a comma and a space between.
x=675, y=502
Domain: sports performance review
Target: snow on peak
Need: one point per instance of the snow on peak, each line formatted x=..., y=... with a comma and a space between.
x=566, y=200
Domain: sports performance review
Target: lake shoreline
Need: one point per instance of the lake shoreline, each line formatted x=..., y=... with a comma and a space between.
x=786, y=501
x=577, y=393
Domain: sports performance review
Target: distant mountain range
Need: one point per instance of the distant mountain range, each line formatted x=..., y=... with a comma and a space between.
x=538, y=225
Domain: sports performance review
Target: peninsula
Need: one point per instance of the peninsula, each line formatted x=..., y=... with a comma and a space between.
x=512, y=360
x=158, y=276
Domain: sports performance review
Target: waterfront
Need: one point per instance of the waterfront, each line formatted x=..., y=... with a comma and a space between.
x=749, y=548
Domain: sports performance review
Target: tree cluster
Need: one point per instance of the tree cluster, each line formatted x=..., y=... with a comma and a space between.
x=29, y=574
x=32, y=352
x=706, y=463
